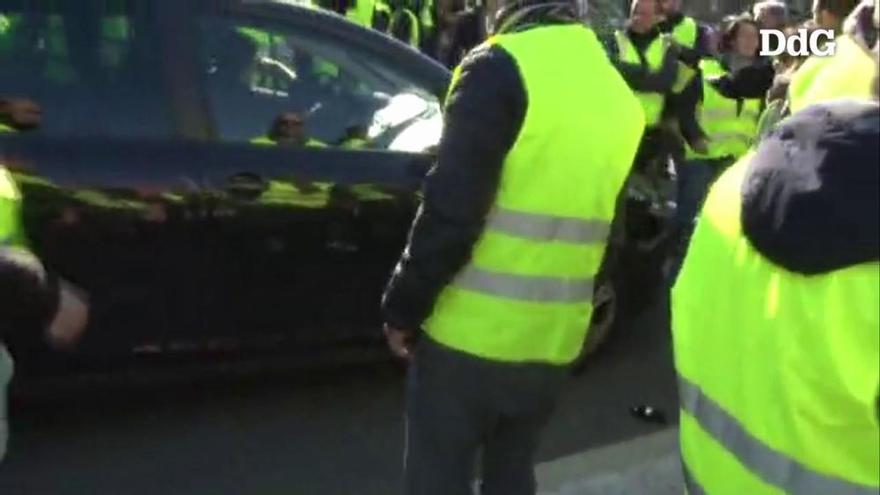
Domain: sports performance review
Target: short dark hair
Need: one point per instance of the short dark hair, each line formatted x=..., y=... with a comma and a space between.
x=775, y=7
x=840, y=8
x=657, y=9
x=730, y=29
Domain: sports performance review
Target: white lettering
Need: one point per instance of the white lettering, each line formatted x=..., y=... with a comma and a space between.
x=819, y=48
x=798, y=46
x=819, y=43
x=766, y=35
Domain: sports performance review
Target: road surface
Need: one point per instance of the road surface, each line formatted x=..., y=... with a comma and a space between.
x=327, y=431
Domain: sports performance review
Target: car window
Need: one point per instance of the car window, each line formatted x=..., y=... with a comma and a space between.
x=271, y=85
x=92, y=67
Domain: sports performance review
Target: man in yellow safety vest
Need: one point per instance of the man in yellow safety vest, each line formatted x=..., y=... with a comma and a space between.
x=491, y=299
x=775, y=314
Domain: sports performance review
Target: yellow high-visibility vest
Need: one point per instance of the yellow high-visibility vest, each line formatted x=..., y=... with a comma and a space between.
x=778, y=371
x=526, y=295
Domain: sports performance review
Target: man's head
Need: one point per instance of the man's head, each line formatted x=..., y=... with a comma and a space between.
x=669, y=7
x=770, y=14
x=643, y=15
x=20, y=113
x=830, y=14
x=741, y=37
x=510, y=13
x=288, y=129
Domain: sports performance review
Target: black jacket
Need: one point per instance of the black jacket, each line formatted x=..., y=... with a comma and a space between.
x=484, y=115
x=639, y=77
x=701, y=48
x=811, y=199
x=28, y=295
x=750, y=82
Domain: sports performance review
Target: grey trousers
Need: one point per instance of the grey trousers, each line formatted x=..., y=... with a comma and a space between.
x=461, y=408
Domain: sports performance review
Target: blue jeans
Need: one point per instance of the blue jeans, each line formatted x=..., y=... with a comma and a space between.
x=695, y=178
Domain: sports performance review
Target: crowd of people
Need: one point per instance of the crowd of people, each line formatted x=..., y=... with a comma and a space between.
x=707, y=92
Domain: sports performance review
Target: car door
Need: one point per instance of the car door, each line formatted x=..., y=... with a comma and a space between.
x=111, y=199
x=321, y=143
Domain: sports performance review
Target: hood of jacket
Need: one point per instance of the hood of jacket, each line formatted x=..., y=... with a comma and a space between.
x=811, y=199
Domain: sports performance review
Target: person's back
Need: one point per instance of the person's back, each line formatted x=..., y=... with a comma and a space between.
x=846, y=73
x=775, y=314
x=497, y=277
x=564, y=125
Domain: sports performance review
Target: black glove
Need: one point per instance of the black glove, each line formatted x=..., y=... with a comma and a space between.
x=689, y=56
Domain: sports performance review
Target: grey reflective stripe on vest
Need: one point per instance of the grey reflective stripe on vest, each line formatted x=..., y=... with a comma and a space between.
x=548, y=227
x=526, y=288
x=772, y=466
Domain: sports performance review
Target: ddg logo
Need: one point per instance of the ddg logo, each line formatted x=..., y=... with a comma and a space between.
x=819, y=42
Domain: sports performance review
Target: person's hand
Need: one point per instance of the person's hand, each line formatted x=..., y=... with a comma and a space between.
x=71, y=318
x=21, y=113
x=701, y=146
x=399, y=341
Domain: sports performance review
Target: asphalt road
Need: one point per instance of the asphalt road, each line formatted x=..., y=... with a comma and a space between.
x=324, y=431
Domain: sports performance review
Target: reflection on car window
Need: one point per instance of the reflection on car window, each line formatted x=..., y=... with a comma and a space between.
x=92, y=67
x=270, y=86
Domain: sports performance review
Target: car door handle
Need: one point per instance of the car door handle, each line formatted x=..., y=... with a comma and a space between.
x=246, y=186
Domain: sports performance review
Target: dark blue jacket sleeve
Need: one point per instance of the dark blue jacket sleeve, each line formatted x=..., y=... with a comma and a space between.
x=28, y=295
x=484, y=114
x=641, y=79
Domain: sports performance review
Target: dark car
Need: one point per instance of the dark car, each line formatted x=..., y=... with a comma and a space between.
x=232, y=177
x=221, y=176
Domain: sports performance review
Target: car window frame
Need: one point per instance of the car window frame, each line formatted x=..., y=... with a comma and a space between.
x=420, y=71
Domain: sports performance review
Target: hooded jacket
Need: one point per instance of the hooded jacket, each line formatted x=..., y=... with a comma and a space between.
x=810, y=201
